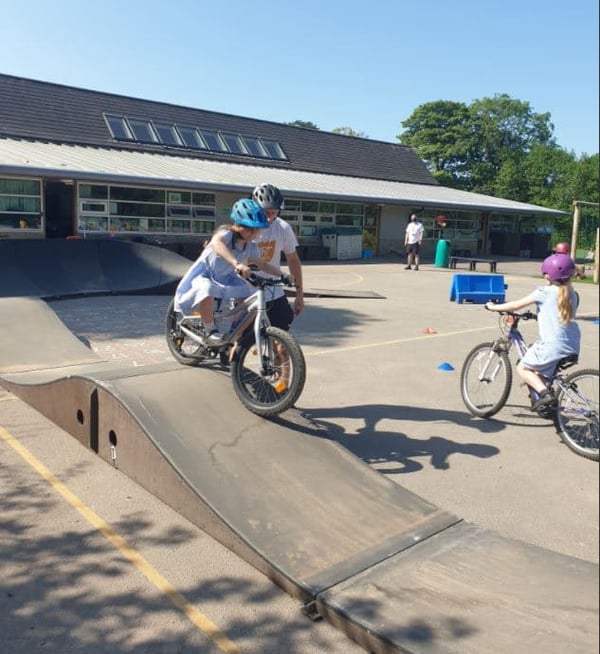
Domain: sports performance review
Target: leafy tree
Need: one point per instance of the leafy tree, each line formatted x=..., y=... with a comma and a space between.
x=348, y=131
x=479, y=147
x=504, y=129
x=303, y=123
x=440, y=133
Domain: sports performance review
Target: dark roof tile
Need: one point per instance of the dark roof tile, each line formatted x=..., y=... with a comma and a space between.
x=46, y=111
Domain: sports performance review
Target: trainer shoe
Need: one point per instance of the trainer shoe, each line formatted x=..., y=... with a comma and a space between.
x=406, y=267
x=416, y=267
x=214, y=338
x=546, y=398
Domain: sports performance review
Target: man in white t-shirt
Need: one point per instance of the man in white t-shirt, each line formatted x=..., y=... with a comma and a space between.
x=277, y=238
x=412, y=241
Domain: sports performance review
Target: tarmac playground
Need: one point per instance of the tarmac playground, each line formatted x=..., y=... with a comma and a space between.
x=384, y=348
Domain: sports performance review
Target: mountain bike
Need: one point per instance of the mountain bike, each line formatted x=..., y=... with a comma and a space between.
x=268, y=370
x=486, y=380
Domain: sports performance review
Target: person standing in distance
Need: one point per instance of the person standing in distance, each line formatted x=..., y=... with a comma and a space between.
x=277, y=238
x=412, y=241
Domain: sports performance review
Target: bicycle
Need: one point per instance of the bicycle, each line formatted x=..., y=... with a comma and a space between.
x=268, y=370
x=486, y=380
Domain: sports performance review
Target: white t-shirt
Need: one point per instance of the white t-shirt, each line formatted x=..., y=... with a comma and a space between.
x=277, y=238
x=414, y=232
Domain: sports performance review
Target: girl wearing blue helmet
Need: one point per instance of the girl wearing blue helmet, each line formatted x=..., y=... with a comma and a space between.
x=224, y=262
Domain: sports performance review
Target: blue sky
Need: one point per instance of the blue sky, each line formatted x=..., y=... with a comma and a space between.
x=365, y=65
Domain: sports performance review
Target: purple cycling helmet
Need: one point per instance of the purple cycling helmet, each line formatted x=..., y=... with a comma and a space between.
x=558, y=267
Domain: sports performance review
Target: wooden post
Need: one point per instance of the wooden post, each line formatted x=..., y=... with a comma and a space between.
x=574, y=234
x=596, y=257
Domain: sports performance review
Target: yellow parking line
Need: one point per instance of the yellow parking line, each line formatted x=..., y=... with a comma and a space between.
x=156, y=579
x=411, y=339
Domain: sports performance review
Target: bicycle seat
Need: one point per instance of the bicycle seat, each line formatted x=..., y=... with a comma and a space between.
x=567, y=362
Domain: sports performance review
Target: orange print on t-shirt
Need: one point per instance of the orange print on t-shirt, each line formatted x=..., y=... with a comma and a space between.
x=266, y=249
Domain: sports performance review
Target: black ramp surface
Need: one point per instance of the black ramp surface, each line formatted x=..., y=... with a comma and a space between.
x=294, y=497
x=59, y=268
x=468, y=590
x=32, y=337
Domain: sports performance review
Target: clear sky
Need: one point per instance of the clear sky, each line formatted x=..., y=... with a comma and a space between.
x=364, y=65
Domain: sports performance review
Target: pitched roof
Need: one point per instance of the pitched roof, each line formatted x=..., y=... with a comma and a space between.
x=39, y=110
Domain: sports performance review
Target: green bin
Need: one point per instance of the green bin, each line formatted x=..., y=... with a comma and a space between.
x=442, y=253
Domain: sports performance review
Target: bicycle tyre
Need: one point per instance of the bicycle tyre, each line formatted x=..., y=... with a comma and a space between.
x=576, y=418
x=184, y=350
x=485, y=397
x=257, y=392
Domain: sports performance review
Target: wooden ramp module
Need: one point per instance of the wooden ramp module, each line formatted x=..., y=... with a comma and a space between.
x=391, y=570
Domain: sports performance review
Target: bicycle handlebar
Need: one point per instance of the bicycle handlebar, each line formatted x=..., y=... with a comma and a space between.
x=262, y=282
x=526, y=315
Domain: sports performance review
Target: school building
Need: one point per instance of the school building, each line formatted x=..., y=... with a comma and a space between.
x=78, y=163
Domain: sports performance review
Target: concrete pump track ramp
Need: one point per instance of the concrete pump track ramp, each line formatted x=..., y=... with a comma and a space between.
x=353, y=546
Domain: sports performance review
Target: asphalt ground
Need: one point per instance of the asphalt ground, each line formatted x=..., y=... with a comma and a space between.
x=93, y=563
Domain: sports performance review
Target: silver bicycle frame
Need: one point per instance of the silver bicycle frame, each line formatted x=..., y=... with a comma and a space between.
x=255, y=309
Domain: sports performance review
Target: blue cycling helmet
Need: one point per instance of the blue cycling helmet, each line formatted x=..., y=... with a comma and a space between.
x=246, y=212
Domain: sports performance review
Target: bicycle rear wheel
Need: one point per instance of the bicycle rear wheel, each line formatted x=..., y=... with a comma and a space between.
x=184, y=349
x=276, y=390
x=577, y=413
x=485, y=380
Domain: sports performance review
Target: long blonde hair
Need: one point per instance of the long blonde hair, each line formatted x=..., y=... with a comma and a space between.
x=565, y=307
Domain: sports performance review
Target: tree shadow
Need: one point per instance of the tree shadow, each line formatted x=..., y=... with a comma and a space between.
x=47, y=602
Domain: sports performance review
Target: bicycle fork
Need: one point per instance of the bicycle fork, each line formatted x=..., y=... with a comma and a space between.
x=492, y=366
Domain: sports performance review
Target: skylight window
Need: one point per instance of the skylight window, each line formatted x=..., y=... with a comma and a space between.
x=255, y=147
x=191, y=138
x=274, y=149
x=118, y=128
x=213, y=140
x=234, y=143
x=124, y=128
x=167, y=134
x=142, y=130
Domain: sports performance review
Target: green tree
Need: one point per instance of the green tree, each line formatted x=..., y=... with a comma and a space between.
x=348, y=131
x=504, y=129
x=440, y=133
x=307, y=124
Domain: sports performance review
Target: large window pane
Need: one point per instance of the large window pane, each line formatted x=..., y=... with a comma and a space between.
x=93, y=191
x=137, y=194
x=203, y=198
x=19, y=186
x=137, y=209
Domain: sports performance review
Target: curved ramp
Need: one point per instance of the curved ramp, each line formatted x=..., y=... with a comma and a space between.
x=391, y=570
x=50, y=268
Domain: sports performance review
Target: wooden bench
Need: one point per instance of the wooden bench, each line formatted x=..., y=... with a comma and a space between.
x=473, y=261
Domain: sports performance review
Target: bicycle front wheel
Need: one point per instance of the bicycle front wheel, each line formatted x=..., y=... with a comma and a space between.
x=485, y=380
x=275, y=389
x=577, y=413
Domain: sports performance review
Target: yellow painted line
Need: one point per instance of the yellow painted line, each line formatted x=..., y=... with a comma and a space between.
x=411, y=339
x=176, y=598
